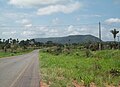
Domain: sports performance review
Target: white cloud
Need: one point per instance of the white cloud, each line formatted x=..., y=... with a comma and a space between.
x=22, y=3
x=81, y=30
x=59, y=8
x=53, y=31
x=70, y=28
x=27, y=33
x=90, y=15
x=15, y=15
x=86, y=16
x=9, y=33
x=28, y=25
x=25, y=21
x=56, y=21
x=112, y=20
x=44, y=31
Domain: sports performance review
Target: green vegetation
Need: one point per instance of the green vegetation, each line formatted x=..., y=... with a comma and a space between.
x=14, y=47
x=114, y=32
x=7, y=54
x=100, y=67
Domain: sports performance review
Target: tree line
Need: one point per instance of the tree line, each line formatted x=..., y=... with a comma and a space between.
x=13, y=45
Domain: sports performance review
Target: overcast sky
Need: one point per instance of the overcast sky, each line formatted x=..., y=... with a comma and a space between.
x=55, y=18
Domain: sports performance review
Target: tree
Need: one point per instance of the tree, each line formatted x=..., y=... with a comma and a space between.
x=0, y=41
x=114, y=32
x=10, y=40
x=17, y=41
x=14, y=41
x=3, y=40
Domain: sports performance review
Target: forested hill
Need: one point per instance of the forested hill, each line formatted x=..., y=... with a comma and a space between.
x=70, y=39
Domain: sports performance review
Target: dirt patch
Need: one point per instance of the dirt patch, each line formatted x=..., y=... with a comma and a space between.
x=43, y=84
x=76, y=84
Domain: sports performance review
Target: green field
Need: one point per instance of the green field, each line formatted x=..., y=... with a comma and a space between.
x=101, y=68
x=7, y=54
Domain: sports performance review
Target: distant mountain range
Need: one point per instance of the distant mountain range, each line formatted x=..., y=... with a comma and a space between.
x=70, y=39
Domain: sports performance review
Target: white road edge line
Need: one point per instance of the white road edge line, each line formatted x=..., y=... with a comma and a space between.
x=21, y=73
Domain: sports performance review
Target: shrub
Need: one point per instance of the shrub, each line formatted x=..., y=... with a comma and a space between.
x=88, y=53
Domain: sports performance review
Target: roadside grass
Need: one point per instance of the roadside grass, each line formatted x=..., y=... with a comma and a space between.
x=8, y=54
x=103, y=68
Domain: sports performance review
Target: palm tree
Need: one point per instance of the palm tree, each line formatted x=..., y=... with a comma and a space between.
x=0, y=40
x=10, y=40
x=114, y=32
x=3, y=40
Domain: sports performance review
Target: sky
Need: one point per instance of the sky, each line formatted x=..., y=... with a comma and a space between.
x=25, y=19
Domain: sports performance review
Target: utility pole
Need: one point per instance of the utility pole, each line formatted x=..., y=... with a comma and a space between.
x=100, y=36
x=99, y=30
x=118, y=42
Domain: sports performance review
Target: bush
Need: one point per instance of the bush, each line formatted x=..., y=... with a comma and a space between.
x=88, y=53
x=115, y=72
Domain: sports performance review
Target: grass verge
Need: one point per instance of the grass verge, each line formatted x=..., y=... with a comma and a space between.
x=61, y=71
x=8, y=54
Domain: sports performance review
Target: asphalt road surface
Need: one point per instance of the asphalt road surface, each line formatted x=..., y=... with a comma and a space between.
x=20, y=71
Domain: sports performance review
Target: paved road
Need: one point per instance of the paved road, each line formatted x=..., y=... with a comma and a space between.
x=20, y=71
